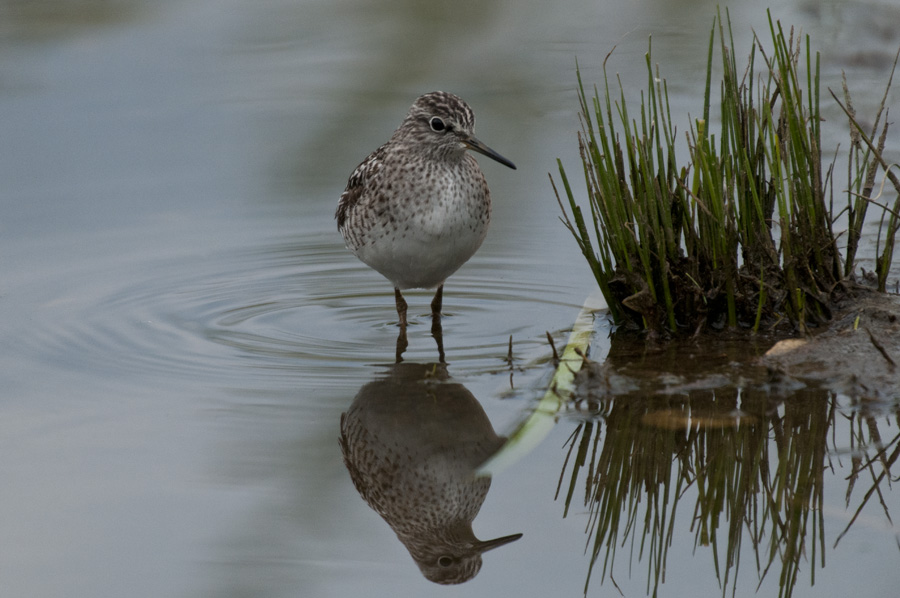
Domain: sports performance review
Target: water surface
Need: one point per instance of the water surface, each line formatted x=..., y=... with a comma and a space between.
x=182, y=328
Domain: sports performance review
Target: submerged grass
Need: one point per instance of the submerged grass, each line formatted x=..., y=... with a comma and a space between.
x=743, y=235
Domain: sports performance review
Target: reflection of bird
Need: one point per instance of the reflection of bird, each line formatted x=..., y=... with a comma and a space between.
x=411, y=442
x=418, y=207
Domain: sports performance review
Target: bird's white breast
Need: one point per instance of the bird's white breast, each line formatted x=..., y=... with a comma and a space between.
x=433, y=227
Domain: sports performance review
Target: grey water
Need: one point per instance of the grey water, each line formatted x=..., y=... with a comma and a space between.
x=181, y=327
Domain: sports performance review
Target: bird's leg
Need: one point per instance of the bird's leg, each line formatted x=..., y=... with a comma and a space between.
x=437, y=302
x=402, y=343
x=437, y=332
x=401, y=308
x=401, y=337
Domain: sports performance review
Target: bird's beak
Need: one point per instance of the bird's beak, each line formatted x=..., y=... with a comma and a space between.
x=484, y=546
x=474, y=144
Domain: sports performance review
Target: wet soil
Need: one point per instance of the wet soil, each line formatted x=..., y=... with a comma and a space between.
x=857, y=353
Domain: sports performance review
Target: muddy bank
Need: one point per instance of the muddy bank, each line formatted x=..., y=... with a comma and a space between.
x=856, y=354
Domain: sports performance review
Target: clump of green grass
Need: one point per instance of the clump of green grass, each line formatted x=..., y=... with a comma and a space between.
x=742, y=236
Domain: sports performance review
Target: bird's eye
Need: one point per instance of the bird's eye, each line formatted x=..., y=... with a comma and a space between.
x=437, y=125
x=445, y=561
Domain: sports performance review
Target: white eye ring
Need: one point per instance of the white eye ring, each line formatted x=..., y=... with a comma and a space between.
x=437, y=125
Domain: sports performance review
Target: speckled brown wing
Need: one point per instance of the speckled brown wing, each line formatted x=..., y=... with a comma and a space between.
x=356, y=186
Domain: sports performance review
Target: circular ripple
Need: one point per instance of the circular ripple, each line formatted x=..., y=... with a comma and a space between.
x=305, y=308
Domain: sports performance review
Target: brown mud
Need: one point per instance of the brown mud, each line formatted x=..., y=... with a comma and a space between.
x=856, y=353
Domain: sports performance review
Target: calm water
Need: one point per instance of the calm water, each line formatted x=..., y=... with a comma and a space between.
x=182, y=328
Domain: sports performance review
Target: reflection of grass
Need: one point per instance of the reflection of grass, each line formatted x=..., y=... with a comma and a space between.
x=743, y=234
x=865, y=433
x=758, y=478
x=628, y=484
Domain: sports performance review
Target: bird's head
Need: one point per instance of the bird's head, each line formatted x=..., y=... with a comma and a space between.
x=445, y=124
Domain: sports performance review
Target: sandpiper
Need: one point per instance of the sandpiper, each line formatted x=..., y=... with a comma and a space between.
x=418, y=207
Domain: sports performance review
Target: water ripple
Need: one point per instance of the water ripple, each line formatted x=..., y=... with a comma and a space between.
x=298, y=308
